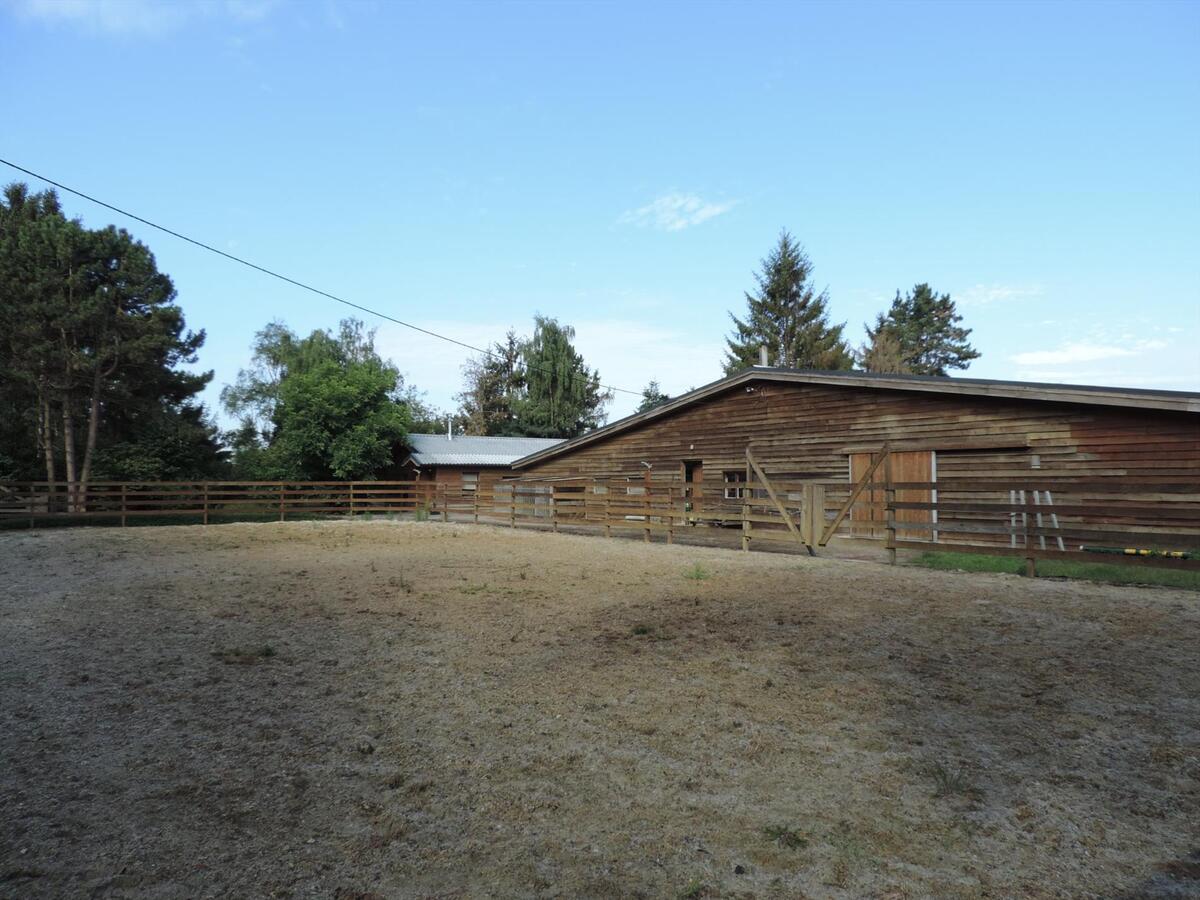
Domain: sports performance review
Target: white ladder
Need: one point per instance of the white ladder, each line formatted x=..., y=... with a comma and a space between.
x=1037, y=501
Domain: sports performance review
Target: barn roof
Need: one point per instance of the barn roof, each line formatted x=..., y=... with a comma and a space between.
x=472, y=450
x=1088, y=395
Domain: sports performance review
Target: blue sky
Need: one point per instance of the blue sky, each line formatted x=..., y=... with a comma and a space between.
x=625, y=167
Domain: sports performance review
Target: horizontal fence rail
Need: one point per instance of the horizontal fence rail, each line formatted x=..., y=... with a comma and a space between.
x=1152, y=521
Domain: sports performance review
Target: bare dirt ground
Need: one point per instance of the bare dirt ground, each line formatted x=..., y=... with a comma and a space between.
x=427, y=710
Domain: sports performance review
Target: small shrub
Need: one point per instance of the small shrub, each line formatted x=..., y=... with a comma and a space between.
x=421, y=513
x=697, y=573
x=693, y=891
x=642, y=630
x=948, y=781
x=786, y=836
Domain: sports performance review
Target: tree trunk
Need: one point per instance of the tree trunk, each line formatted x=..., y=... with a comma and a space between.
x=46, y=433
x=92, y=431
x=69, y=450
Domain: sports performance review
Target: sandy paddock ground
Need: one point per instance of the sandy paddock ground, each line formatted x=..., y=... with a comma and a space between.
x=426, y=710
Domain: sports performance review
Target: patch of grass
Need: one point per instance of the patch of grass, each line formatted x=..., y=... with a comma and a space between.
x=641, y=630
x=236, y=656
x=849, y=854
x=694, y=890
x=421, y=513
x=785, y=836
x=950, y=781
x=697, y=573
x=1097, y=571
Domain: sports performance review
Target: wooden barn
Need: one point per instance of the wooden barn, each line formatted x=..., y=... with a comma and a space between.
x=826, y=427
x=467, y=462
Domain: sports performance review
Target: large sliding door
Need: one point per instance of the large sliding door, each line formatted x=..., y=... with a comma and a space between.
x=869, y=519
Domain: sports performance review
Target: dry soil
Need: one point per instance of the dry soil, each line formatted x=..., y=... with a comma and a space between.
x=430, y=710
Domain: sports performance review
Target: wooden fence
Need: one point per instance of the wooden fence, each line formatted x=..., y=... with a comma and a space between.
x=209, y=500
x=1149, y=521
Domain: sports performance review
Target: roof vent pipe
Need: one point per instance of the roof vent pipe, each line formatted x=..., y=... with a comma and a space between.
x=762, y=356
x=449, y=428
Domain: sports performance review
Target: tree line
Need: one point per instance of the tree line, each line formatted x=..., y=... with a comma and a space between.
x=93, y=384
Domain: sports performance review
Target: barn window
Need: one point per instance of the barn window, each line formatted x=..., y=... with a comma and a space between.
x=470, y=481
x=733, y=478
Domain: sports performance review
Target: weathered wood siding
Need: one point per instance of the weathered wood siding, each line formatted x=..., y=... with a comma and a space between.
x=809, y=431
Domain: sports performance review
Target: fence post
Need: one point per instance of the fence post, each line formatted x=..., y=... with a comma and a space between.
x=1030, y=567
x=445, y=502
x=608, y=510
x=281, y=513
x=646, y=509
x=889, y=512
x=670, y=517
x=206, y=503
x=352, y=500
x=123, y=507
x=745, y=526
x=475, y=503
x=512, y=506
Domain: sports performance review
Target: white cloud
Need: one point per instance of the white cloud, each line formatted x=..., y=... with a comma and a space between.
x=674, y=212
x=1083, y=351
x=137, y=18
x=985, y=294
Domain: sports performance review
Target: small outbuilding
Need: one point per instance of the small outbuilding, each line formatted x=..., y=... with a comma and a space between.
x=467, y=462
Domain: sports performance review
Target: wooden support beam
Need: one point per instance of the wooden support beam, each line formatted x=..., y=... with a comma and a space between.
x=750, y=460
x=854, y=494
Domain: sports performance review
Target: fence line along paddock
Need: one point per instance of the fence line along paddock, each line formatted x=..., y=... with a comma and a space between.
x=34, y=501
x=1150, y=519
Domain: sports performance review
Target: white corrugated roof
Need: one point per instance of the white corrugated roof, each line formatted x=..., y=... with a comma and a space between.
x=474, y=450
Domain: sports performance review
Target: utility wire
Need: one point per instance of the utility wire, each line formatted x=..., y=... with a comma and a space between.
x=273, y=274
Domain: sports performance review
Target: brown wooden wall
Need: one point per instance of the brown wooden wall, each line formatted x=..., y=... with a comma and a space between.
x=809, y=431
x=451, y=476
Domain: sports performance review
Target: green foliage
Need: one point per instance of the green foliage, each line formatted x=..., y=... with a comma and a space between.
x=493, y=385
x=652, y=396
x=1049, y=568
x=918, y=334
x=787, y=315
x=563, y=397
x=321, y=407
x=536, y=387
x=91, y=343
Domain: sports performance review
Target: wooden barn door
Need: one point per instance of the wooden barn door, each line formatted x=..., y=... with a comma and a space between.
x=868, y=519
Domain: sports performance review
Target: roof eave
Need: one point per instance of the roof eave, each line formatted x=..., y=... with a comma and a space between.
x=1046, y=393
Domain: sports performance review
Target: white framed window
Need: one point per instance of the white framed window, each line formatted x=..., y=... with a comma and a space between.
x=734, y=479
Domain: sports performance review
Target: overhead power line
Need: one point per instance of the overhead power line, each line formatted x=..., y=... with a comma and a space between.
x=264, y=270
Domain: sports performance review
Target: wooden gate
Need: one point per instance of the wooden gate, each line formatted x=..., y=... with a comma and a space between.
x=868, y=518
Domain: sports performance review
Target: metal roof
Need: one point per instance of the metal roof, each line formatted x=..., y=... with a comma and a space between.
x=1089, y=395
x=473, y=450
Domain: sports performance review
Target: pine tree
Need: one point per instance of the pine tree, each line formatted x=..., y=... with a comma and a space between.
x=788, y=316
x=926, y=327
x=652, y=396
x=493, y=384
x=882, y=352
x=563, y=397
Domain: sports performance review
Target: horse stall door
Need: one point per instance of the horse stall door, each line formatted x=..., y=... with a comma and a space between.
x=914, y=465
x=868, y=517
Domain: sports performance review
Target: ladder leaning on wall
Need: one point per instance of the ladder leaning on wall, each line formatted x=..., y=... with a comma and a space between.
x=1015, y=497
